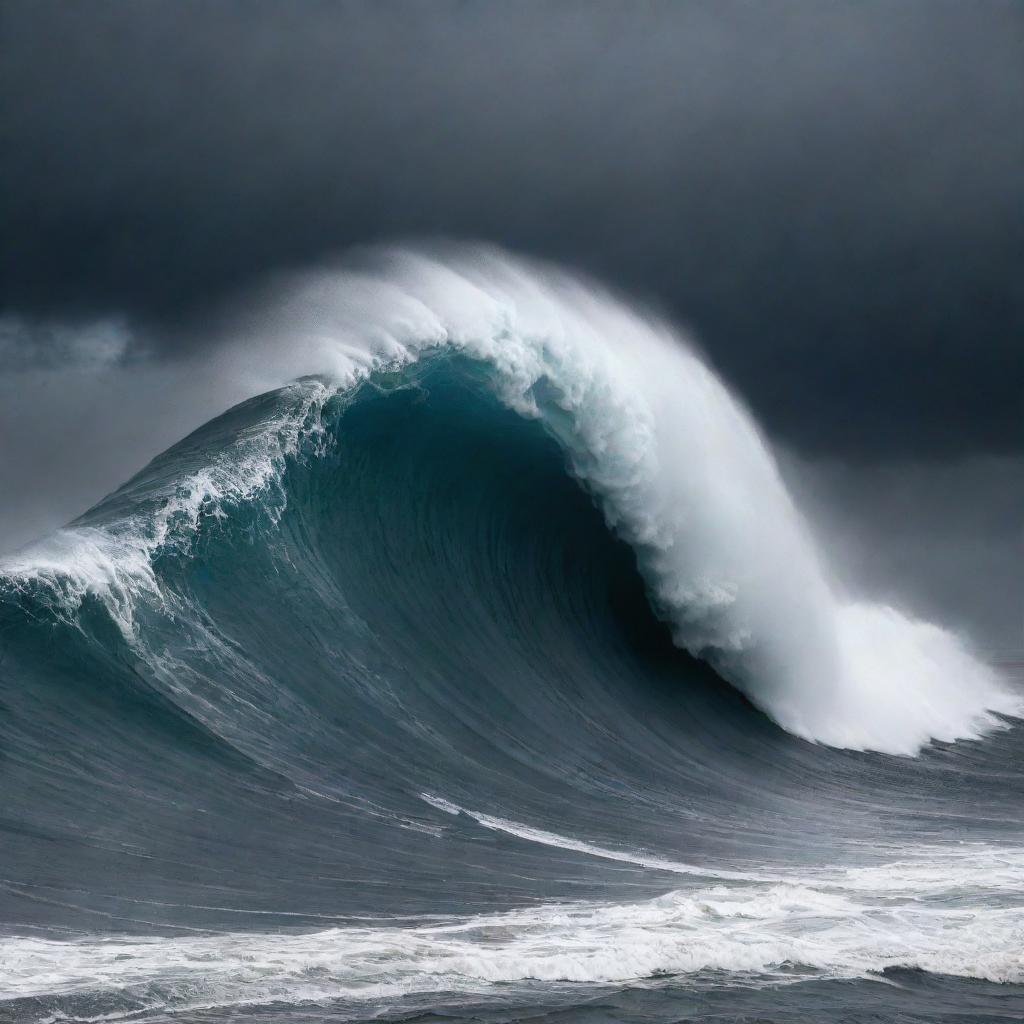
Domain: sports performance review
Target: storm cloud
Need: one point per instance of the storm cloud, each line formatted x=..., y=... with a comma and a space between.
x=830, y=194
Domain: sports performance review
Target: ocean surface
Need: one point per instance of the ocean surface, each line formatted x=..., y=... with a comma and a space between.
x=487, y=671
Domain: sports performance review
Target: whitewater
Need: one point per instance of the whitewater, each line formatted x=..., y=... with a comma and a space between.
x=852, y=925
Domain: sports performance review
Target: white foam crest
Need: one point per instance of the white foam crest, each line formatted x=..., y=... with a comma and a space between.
x=682, y=473
x=679, y=468
x=764, y=932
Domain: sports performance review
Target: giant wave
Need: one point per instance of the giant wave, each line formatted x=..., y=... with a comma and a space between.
x=677, y=465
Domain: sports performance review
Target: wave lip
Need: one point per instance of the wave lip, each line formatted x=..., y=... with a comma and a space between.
x=676, y=464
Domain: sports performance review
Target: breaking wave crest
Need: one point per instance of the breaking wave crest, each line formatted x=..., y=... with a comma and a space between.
x=675, y=463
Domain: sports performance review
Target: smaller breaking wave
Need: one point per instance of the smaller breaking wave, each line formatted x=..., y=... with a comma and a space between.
x=760, y=933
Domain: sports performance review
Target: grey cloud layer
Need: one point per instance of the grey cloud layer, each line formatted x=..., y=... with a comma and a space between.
x=830, y=193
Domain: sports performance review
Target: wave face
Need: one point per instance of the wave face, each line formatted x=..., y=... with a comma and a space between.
x=407, y=678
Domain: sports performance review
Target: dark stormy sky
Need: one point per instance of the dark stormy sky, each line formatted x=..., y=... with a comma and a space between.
x=830, y=194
